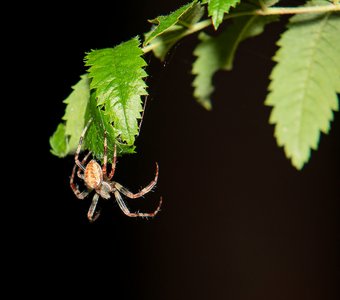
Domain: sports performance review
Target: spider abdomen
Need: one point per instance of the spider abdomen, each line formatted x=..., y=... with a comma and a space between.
x=93, y=175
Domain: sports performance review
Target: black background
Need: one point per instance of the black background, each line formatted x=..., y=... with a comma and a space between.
x=238, y=221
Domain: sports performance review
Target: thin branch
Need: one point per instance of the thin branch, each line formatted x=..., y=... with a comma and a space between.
x=297, y=10
x=197, y=27
x=259, y=12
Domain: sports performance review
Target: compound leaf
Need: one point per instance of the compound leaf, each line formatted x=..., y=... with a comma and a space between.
x=163, y=23
x=304, y=83
x=117, y=80
x=66, y=138
x=217, y=53
x=217, y=9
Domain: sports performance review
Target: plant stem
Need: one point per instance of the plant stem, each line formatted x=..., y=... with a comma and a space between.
x=297, y=10
x=260, y=12
x=197, y=27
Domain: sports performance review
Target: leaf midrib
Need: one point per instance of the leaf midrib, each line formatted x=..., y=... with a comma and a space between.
x=239, y=39
x=307, y=80
x=121, y=102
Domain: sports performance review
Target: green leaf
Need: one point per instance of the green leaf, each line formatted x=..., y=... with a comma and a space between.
x=165, y=41
x=209, y=59
x=217, y=53
x=66, y=138
x=117, y=80
x=75, y=111
x=165, y=22
x=94, y=138
x=192, y=15
x=242, y=29
x=217, y=9
x=304, y=83
x=58, y=141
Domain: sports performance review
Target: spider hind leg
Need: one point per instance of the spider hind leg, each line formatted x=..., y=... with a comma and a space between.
x=142, y=192
x=127, y=212
x=92, y=215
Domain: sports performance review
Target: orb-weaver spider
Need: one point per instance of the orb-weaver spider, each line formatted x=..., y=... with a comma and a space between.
x=96, y=178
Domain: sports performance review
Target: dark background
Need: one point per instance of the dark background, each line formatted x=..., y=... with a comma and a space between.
x=238, y=221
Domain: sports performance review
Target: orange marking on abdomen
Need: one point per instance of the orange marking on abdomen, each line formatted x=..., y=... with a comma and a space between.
x=93, y=175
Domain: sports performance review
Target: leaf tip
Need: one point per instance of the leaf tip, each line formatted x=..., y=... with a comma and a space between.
x=207, y=105
x=298, y=164
x=58, y=142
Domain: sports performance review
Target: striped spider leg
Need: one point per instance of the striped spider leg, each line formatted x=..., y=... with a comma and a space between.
x=96, y=178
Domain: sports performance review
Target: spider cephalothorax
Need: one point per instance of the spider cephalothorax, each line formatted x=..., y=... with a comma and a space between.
x=96, y=178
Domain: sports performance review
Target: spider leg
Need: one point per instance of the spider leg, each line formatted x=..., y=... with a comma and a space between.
x=141, y=120
x=83, y=163
x=113, y=167
x=80, y=144
x=127, y=212
x=91, y=215
x=105, y=155
x=80, y=195
x=142, y=192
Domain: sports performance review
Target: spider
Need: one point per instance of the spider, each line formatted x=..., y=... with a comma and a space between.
x=97, y=179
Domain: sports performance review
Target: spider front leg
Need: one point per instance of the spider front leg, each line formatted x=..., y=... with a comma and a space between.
x=127, y=212
x=142, y=192
x=79, y=164
x=81, y=176
x=113, y=167
x=80, y=195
